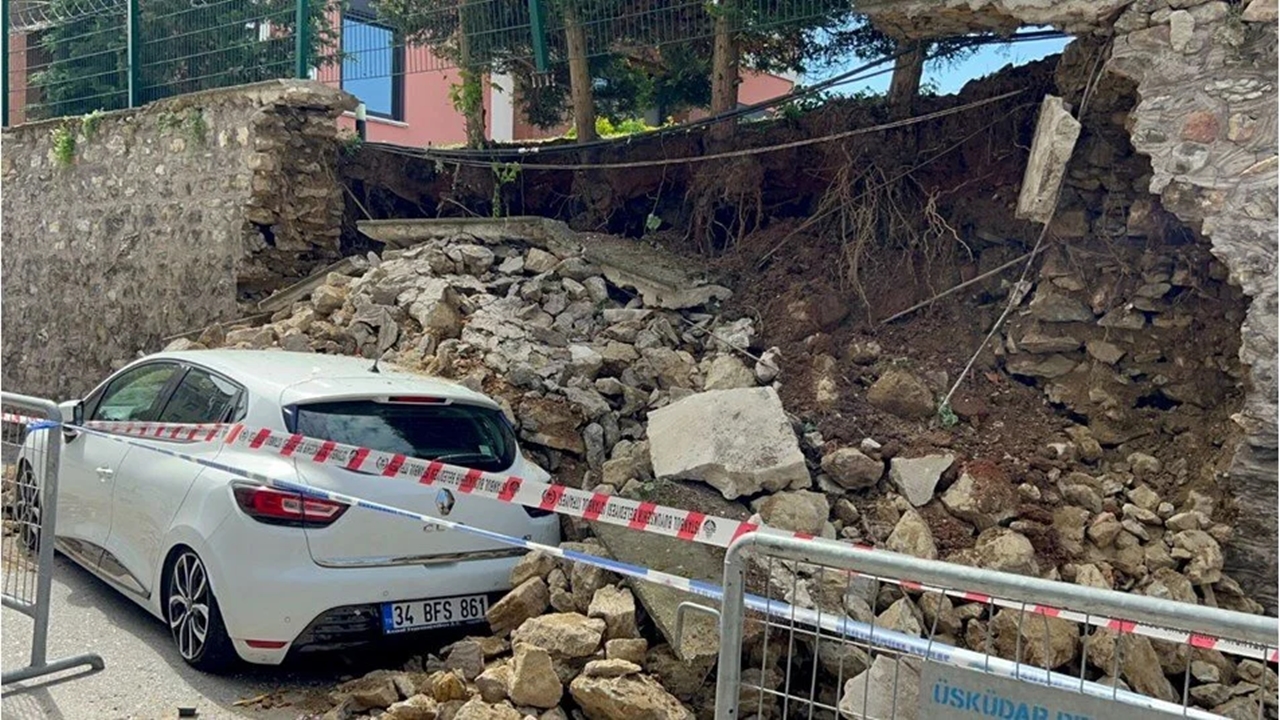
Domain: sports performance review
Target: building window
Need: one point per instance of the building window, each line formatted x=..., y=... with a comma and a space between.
x=373, y=65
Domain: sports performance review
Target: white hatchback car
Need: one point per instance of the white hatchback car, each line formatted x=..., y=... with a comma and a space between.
x=237, y=569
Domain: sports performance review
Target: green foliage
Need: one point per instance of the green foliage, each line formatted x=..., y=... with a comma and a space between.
x=503, y=174
x=89, y=123
x=349, y=144
x=947, y=416
x=64, y=144
x=186, y=47
x=606, y=128
x=190, y=123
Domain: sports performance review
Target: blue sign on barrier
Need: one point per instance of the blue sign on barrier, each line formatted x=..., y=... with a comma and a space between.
x=952, y=693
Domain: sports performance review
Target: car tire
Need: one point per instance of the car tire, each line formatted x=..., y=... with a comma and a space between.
x=192, y=613
x=27, y=510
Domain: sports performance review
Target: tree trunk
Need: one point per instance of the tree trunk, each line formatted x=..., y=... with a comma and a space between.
x=470, y=100
x=907, y=71
x=584, y=103
x=724, y=71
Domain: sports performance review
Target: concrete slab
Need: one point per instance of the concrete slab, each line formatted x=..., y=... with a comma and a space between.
x=700, y=642
x=662, y=279
x=550, y=235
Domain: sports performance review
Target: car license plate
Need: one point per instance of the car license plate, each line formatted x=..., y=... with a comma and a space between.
x=434, y=613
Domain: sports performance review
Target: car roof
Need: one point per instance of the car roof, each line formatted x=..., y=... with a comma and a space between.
x=295, y=377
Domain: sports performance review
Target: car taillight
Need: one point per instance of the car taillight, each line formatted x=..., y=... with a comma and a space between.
x=275, y=507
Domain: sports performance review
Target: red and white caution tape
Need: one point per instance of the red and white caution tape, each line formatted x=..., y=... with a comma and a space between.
x=688, y=525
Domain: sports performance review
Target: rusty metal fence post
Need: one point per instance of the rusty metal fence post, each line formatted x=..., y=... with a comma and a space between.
x=883, y=627
x=30, y=445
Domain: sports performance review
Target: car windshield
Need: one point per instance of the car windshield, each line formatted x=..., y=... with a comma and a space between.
x=466, y=435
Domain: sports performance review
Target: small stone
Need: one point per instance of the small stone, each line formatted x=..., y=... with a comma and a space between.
x=902, y=616
x=769, y=365
x=917, y=478
x=493, y=683
x=1191, y=520
x=1104, y=351
x=564, y=635
x=533, y=678
x=911, y=536
x=1200, y=126
x=1144, y=465
x=610, y=668
x=1182, y=28
x=981, y=497
x=1143, y=496
x=617, y=607
x=1261, y=11
x=527, y=600
x=852, y=469
x=416, y=707
x=477, y=709
x=1123, y=319
x=467, y=658
x=903, y=394
x=802, y=511
x=1043, y=344
x=540, y=261
x=534, y=564
x=726, y=372
x=1204, y=554
x=1053, y=307
x=630, y=649
x=633, y=697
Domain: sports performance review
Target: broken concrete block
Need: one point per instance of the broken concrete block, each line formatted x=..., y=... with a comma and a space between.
x=1055, y=139
x=738, y=441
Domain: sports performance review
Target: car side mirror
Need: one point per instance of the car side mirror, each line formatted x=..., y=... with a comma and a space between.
x=72, y=414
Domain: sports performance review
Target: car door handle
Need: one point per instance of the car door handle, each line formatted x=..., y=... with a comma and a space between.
x=104, y=474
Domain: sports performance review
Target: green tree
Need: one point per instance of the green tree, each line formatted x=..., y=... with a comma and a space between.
x=184, y=47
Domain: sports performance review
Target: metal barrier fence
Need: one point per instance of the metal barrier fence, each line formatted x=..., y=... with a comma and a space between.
x=823, y=634
x=30, y=490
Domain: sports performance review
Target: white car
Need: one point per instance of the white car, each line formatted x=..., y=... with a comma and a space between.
x=240, y=570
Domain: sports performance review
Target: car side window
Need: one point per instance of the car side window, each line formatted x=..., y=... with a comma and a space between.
x=200, y=398
x=134, y=395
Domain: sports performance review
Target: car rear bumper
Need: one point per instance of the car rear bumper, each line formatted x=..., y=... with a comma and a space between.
x=273, y=597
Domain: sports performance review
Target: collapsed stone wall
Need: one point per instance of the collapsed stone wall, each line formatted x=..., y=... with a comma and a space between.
x=1205, y=74
x=146, y=223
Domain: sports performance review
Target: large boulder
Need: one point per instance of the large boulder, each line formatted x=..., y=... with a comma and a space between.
x=738, y=441
x=633, y=697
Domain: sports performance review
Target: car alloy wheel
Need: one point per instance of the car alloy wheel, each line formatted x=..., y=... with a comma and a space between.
x=28, y=508
x=188, y=605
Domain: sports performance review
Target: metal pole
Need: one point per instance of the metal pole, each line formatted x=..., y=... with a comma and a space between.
x=4, y=63
x=539, y=35
x=302, y=41
x=732, y=617
x=134, y=50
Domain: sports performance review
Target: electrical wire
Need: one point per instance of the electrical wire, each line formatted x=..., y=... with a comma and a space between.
x=724, y=155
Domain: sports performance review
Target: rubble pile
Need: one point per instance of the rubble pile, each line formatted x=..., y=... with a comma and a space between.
x=615, y=394
x=564, y=644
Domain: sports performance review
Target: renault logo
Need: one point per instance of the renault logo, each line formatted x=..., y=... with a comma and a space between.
x=444, y=502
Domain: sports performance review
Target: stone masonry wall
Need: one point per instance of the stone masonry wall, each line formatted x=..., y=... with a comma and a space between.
x=1206, y=76
x=1205, y=73
x=158, y=222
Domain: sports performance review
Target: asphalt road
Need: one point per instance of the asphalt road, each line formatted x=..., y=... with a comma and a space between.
x=144, y=677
